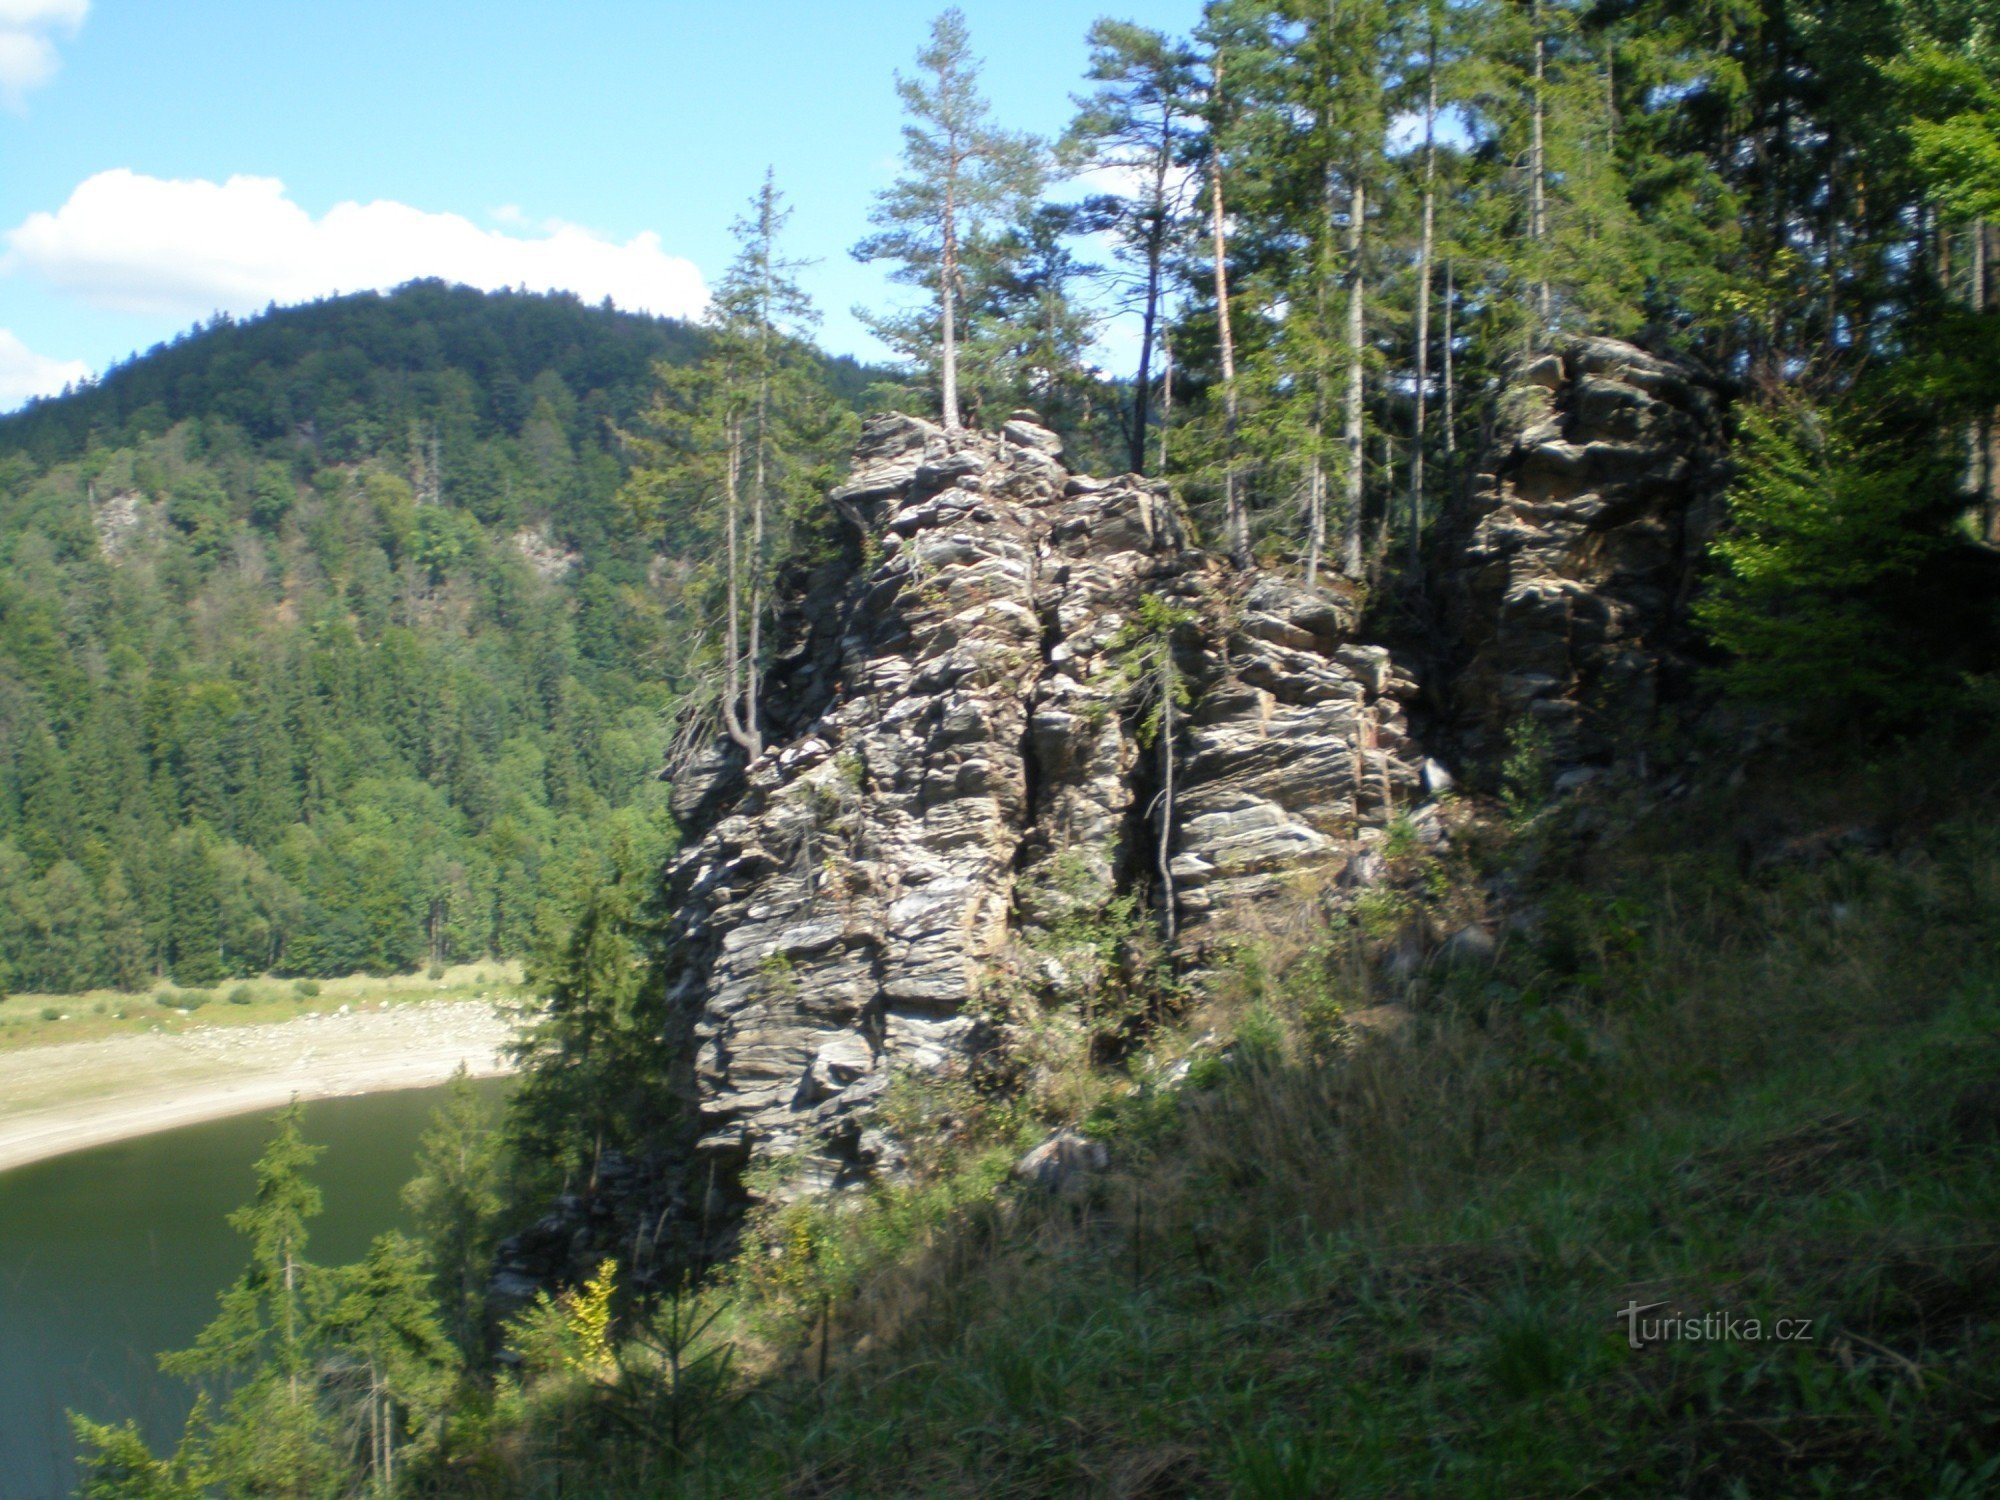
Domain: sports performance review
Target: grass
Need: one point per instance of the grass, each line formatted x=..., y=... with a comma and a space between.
x=1391, y=1261
x=1381, y=1229
x=35, y=1020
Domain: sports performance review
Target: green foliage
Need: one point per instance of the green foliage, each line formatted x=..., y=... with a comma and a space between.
x=593, y=1072
x=1834, y=514
x=1954, y=134
x=308, y=1376
x=1422, y=1248
x=117, y=1465
x=954, y=225
x=729, y=460
x=284, y=691
x=454, y=1201
x=1144, y=652
x=1525, y=771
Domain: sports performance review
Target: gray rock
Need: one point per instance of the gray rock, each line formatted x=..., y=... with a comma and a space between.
x=859, y=898
x=1566, y=576
x=1471, y=945
x=1063, y=1164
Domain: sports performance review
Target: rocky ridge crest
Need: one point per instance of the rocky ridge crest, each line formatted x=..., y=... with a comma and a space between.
x=960, y=758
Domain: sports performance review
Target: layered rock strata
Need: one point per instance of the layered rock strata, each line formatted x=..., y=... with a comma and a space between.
x=1565, y=578
x=965, y=757
x=982, y=767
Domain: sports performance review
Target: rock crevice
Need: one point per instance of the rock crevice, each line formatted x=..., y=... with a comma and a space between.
x=977, y=772
x=960, y=762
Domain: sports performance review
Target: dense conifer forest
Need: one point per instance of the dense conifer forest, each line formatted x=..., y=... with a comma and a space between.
x=359, y=643
x=327, y=642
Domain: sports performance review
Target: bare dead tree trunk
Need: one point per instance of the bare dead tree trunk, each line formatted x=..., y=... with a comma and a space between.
x=753, y=693
x=1169, y=920
x=732, y=649
x=1424, y=296
x=1978, y=460
x=1352, y=434
x=1316, y=464
x=1537, y=170
x=1238, y=518
x=1450, y=391
x=1156, y=238
x=948, y=298
x=1986, y=236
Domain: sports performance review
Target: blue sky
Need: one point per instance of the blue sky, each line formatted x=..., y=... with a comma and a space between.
x=163, y=158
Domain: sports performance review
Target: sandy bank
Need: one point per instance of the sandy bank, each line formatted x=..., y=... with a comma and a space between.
x=75, y=1094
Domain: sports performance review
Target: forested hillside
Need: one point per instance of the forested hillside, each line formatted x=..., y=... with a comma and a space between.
x=327, y=641
x=1217, y=980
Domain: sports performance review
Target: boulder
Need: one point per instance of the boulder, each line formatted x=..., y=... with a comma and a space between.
x=1064, y=1164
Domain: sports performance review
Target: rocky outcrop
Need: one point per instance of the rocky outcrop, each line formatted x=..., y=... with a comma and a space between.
x=966, y=765
x=1565, y=581
x=868, y=893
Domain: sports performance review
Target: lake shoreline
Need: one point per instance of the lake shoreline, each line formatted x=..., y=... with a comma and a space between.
x=70, y=1096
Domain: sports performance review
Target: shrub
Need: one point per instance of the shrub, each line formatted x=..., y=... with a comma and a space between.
x=1833, y=517
x=193, y=999
x=305, y=989
x=243, y=994
x=435, y=971
x=50, y=1013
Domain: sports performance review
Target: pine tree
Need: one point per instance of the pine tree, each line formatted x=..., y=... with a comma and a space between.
x=942, y=222
x=738, y=439
x=1034, y=332
x=1140, y=123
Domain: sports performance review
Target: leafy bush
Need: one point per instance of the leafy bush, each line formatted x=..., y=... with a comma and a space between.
x=305, y=989
x=243, y=994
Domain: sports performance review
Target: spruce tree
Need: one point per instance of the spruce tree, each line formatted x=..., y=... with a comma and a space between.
x=258, y=1359
x=454, y=1200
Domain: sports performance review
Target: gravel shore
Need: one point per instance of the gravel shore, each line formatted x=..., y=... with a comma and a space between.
x=72, y=1095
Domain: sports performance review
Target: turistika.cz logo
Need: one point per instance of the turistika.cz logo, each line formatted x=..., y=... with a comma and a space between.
x=1709, y=1327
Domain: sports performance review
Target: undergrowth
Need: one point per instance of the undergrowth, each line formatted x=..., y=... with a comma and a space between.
x=1365, y=1236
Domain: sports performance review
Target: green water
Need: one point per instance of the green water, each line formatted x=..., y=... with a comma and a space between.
x=108, y=1256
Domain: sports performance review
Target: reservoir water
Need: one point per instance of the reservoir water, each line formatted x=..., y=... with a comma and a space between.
x=110, y=1255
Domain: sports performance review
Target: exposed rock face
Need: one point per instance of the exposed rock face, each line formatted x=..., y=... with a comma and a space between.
x=1564, y=591
x=976, y=771
x=961, y=761
x=549, y=560
x=122, y=519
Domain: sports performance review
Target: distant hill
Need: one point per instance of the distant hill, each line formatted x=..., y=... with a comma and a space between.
x=332, y=373
x=325, y=643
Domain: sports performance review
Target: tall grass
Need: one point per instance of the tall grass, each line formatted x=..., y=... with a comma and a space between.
x=1371, y=1239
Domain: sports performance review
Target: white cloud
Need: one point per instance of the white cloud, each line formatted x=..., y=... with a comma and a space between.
x=178, y=247
x=27, y=46
x=25, y=374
